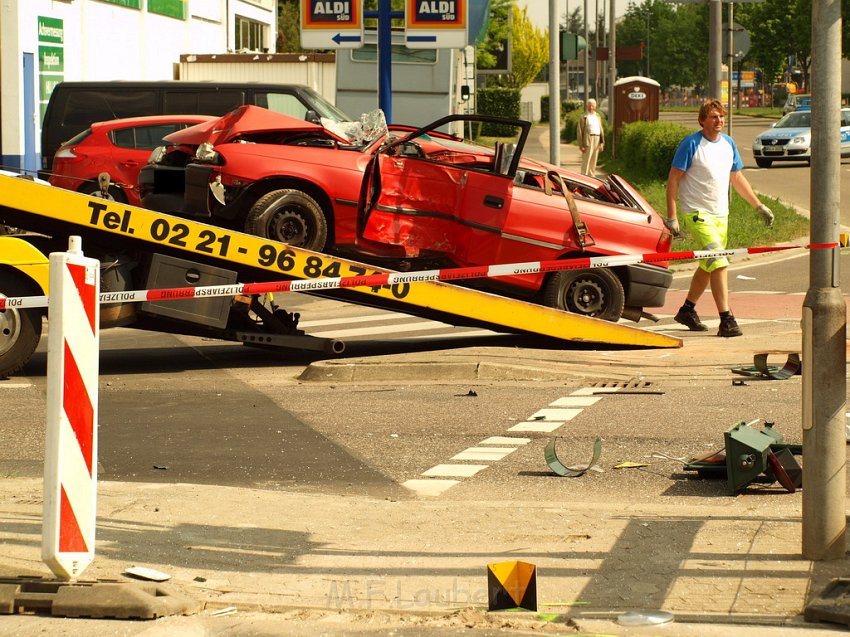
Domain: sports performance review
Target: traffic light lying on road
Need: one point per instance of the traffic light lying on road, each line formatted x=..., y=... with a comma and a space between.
x=571, y=44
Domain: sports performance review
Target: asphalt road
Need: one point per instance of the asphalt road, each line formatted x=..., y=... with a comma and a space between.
x=179, y=409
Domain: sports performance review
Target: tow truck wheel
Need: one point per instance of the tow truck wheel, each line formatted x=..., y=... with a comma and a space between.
x=763, y=163
x=289, y=216
x=597, y=293
x=20, y=330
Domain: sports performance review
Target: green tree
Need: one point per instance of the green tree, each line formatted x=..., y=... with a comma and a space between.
x=288, y=26
x=674, y=39
x=530, y=50
x=496, y=35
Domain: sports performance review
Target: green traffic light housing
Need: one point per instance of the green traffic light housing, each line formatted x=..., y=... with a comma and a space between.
x=571, y=45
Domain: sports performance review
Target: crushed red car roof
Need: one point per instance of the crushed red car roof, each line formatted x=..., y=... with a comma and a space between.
x=239, y=121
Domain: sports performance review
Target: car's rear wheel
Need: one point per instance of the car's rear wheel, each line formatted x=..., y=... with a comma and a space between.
x=289, y=216
x=763, y=163
x=596, y=292
x=114, y=193
x=20, y=330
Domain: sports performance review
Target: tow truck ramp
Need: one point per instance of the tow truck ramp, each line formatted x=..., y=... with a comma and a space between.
x=110, y=228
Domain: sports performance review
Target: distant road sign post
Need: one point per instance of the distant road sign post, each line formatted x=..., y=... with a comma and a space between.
x=436, y=24
x=331, y=24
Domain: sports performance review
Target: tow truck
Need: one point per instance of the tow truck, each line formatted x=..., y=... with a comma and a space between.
x=142, y=249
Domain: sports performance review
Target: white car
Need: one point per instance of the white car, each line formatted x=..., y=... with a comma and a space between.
x=790, y=139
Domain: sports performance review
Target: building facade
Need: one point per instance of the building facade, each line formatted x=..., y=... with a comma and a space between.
x=43, y=42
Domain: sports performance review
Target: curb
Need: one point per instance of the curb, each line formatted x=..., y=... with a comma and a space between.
x=369, y=370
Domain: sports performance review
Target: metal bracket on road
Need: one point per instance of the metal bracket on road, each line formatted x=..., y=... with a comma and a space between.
x=760, y=368
x=100, y=599
x=575, y=471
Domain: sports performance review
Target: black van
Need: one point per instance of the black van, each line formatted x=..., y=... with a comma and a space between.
x=74, y=106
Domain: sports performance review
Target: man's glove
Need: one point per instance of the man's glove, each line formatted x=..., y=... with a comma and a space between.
x=673, y=226
x=765, y=214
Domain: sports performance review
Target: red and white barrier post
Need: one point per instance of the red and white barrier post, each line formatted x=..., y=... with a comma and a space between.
x=70, y=462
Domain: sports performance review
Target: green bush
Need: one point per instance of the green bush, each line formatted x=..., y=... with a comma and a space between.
x=501, y=102
x=567, y=106
x=648, y=147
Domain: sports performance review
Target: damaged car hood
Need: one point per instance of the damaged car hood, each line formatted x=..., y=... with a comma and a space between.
x=244, y=120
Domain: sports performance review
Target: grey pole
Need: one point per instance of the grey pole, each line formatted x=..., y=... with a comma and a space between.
x=730, y=65
x=612, y=75
x=554, y=86
x=586, y=56
x=824, y=310
x=715, y=50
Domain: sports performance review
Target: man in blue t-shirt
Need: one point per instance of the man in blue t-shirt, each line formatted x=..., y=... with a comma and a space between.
x=705, y=163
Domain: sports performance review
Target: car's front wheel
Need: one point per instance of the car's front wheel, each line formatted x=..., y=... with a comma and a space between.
x=596, y=292
x=763, y=163
x=289, y=216
x=20, y=330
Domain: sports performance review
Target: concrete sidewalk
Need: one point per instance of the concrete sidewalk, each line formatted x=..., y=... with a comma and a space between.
x=537, y=147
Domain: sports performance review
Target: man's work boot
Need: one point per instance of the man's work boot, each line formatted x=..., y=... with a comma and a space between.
x=690, y=319
x=729, y=327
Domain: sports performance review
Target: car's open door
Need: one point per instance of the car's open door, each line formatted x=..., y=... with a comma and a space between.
x=431, y=193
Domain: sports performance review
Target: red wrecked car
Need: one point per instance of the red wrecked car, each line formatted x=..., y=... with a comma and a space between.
x=421, y=198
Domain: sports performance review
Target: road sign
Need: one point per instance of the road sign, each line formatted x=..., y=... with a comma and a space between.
x=740, y=41
x=331, y=24
x=436, y=24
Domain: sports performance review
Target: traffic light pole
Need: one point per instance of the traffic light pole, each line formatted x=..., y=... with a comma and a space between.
x=554, y=86
x=385, y=14
x=824, y=309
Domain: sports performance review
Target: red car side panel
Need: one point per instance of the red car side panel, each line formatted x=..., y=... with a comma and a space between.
x=339, y=173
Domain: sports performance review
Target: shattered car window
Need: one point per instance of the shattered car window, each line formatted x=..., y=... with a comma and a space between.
x=370, y=126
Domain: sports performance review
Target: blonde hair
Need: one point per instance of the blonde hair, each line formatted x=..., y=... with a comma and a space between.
x=711, y=105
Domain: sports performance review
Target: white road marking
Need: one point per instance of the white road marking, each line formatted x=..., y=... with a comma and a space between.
x=15, y=385
x=504, y=440
x=555, y=414
x=429, y=487
x=576, y=401
x=590, y=391
x=454, y=470
x=543, y=421
x=540, y=426
x=484, y=453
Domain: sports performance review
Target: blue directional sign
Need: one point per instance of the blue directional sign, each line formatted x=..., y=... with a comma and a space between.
x=331, y=24
x=436, y=24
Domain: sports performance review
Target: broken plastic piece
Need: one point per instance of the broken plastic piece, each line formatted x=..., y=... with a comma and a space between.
x=760, y=368
x=570, y=472
x=143, y=572
x=631, y=465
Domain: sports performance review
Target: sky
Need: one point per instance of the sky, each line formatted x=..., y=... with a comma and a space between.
x=538, y=10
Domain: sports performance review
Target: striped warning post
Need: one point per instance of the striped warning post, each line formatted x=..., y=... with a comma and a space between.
x=70, y=461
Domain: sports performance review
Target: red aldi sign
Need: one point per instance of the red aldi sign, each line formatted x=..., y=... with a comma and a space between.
x=328, y=24
x=432, y=24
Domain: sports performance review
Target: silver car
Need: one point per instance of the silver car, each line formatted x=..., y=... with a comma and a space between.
x=790, y=139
